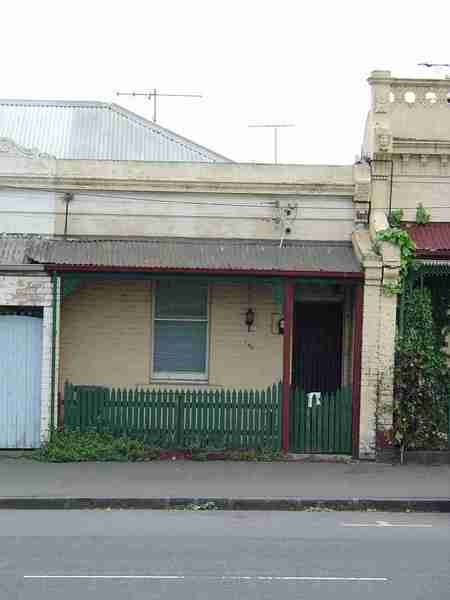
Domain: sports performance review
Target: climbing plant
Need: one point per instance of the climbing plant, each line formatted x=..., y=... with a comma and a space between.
x=395, y=217
x=422, y=216
x=421, y=378
x=400, y=238
x=440, y=299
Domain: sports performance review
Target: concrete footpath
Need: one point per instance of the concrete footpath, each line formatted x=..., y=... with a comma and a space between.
x=225, y=485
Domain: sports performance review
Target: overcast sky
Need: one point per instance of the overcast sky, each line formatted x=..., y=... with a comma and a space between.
x=284, y=61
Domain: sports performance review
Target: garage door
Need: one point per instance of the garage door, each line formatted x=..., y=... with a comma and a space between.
x=20, y=381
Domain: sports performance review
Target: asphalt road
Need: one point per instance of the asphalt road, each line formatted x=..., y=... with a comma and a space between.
x=223, y=555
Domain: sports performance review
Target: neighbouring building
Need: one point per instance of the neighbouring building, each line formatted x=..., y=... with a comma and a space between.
x=134, y=258
x=407, y=144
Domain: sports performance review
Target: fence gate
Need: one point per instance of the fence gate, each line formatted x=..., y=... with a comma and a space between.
x=20, y=381
x=321, y=422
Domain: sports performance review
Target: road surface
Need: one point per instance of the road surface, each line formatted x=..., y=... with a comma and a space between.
x=184, y=555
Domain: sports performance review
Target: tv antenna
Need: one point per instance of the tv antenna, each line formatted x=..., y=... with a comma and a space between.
x=154, y=95
x=275, y=128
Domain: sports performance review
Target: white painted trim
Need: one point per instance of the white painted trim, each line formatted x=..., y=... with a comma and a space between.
x=46, y=372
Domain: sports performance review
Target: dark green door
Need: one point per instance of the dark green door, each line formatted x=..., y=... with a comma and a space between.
x=321, y=410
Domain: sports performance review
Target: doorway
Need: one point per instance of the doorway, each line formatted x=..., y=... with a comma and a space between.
x=317, y=346
x=320, y=408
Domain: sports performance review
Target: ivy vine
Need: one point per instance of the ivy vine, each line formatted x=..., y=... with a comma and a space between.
x=395, y=217
x=421, y=378
x=440, y=298
x=422, y=216
x=400, y=238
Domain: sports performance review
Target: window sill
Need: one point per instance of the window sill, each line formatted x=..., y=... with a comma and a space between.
x=178, y=380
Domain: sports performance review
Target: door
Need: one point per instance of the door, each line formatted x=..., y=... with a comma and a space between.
x=317, y=352
x=20, y=381
x=320, y=408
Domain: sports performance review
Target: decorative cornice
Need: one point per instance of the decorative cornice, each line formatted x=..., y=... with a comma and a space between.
x=9, y=147
x=418, y=146
x=62, y=184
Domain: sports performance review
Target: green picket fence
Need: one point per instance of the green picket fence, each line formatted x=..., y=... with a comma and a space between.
x=321, y=425
x=235, y=419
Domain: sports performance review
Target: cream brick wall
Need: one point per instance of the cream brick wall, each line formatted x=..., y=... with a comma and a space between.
x=36, y=291
x=239, y=357
x=377, y=362
x=369, y=368
x=106, y=335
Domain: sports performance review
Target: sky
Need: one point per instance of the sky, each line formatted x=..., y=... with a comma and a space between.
x=254, y=62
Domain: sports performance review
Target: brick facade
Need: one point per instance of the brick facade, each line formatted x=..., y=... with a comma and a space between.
x=106, y=335
x=34, y=291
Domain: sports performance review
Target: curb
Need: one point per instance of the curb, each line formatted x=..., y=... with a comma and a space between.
x=438, y=505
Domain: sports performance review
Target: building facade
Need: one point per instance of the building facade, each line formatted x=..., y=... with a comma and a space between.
x=169, y=271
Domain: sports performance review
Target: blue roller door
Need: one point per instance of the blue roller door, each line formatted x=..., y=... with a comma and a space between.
x=20, y=381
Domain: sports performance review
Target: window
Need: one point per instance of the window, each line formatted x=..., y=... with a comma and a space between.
x=180, y=331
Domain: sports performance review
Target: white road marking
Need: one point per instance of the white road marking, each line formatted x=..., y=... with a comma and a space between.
x=386, y=524
x=210, y=577
x=158, y=577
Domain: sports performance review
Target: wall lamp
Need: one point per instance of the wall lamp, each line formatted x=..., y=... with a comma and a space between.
x=249, y=318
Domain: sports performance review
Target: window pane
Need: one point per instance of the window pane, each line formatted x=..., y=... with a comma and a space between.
x=180, y=347
x=181, y=299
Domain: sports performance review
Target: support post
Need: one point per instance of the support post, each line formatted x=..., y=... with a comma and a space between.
x=54, y=330
x=356, y=370
x=288, y=312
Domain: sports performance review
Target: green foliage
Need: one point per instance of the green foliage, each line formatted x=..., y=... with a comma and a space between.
x=400, y=238
x=260, y=455
x=421, y=379
x=422, y=216
x=395, y=218
x=74, y=446
x=392, y=289
x=440, y=298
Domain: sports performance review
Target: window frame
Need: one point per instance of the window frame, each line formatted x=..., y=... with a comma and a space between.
x=182, y=376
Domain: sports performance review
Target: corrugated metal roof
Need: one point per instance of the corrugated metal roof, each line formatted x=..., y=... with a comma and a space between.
x=178, y=253
x=14, y=249
x=94, y=130
x=432, y=237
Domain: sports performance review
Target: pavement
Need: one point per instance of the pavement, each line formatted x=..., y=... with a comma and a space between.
x=227, y=485
x=49, y=555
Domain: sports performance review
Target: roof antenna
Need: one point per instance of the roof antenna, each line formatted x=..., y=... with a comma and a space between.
x=275, y=128
x=154, y=95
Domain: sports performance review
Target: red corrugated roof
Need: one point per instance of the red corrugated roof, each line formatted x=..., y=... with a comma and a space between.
x=432, y=238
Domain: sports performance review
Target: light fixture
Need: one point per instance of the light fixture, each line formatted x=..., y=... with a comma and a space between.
x=249, y=318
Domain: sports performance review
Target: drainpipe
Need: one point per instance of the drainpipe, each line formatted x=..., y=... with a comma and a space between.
x=287, y=366
x=68, y=197
x=54, y=332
